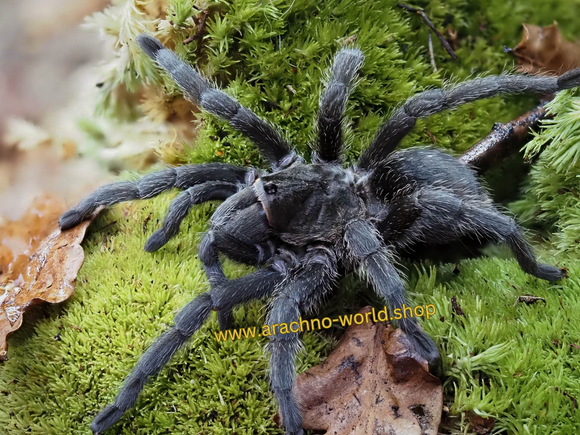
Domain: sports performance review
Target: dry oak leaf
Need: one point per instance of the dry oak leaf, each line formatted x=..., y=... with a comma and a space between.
x=372, y=383
x=543, y=50
x=20, y=238
x=48, y=275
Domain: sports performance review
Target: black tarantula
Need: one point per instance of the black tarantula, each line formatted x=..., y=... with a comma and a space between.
x=301, y=222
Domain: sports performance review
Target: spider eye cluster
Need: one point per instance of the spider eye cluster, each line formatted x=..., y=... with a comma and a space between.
x=270, y=188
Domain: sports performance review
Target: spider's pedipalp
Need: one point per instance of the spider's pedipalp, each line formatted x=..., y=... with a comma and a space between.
x=436, y=100
x=333, y=103
x=151, y=185
x=181, y=205
x=239, y=229
x=217, y=102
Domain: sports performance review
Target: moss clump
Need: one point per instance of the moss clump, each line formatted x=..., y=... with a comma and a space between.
x=551, y=199
x=514, y=363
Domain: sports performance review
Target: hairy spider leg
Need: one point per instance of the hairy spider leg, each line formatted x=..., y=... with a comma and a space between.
x=240, y=231
x=436, y=100
x=501, y=228
x=446, y=216
x=254, y=286
x=367, y=249
x=181, y=177
x=181, y=205
x=217, y=102
x=332, y=104
x=315, y=274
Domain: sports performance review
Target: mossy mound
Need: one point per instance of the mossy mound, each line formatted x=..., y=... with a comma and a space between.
x=516, y=364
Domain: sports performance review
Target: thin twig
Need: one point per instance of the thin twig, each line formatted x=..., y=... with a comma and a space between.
x=431, y=26
x=110, y=224
x=190, y=39
x=529, y=299
x=569, y=396
x=431, y=135
x=350, y=40
x=199, y=30
x=503, y=140
x=431, y=55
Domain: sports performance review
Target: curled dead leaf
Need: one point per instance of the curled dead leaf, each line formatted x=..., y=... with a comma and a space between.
x=45, y=270
x=543, y=50
x=20, y=238
x=373, y=382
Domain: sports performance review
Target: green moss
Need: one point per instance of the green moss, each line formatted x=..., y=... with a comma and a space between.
x=210, y=387
x=551, y=196
x=514, y=363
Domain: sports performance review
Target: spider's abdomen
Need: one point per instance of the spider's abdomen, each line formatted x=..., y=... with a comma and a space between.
x=407, y=171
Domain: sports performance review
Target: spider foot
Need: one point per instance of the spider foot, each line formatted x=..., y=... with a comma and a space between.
x=427, y=348
x=225, y=319
x=69, y=219
x=550, y=273
x=106, y=418
x=156, y=241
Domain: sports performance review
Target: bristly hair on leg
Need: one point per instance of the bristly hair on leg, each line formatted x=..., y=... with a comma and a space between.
x=332, y=104
x=200, y=91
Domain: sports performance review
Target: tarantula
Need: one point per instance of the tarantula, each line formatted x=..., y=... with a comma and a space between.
x=303, y=222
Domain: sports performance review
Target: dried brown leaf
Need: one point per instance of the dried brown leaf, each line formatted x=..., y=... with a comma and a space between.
x=481, y=425
x=371, y=383
x=20, y=238
x=38, y=261
x=543, y=50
